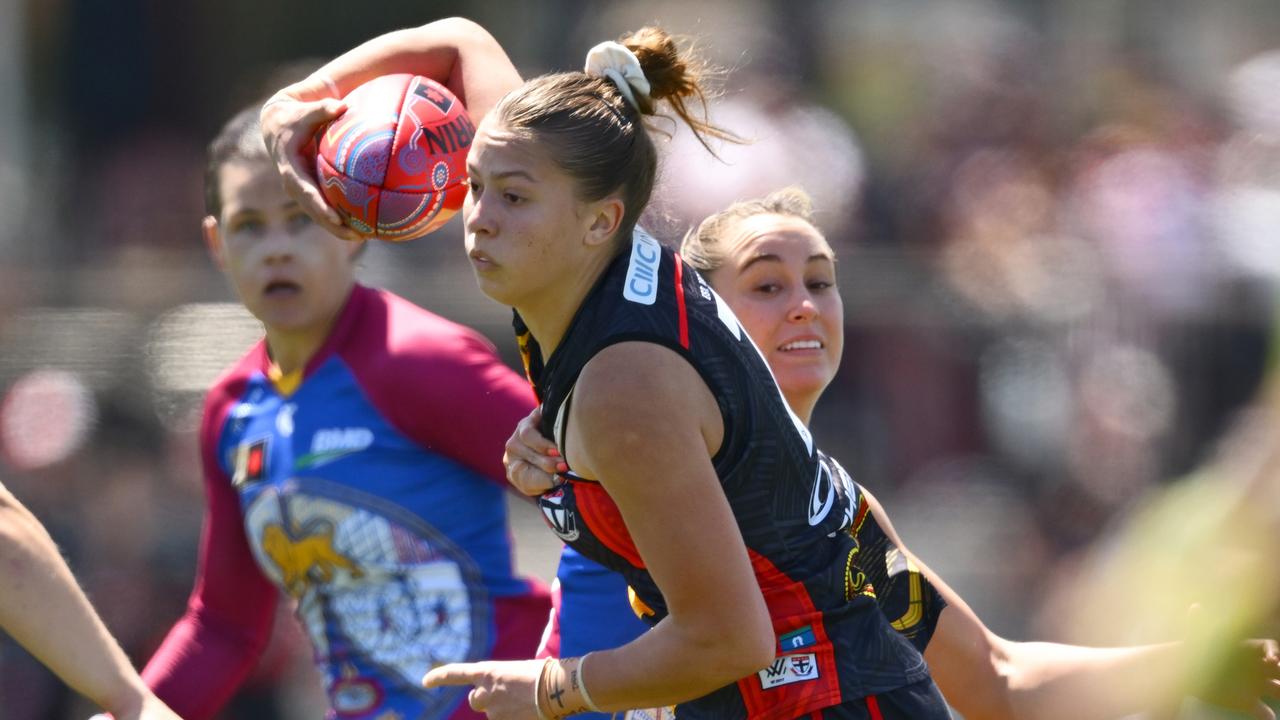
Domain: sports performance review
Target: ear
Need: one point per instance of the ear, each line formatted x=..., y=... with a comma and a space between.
x=605, y=216
x=213, y=240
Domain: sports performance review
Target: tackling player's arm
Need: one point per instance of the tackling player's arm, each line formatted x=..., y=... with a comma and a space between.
x=984, y=675
x=44, y=609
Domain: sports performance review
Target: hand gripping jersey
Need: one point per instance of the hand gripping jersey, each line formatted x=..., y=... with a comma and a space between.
x=796, y=508
x=373, y=496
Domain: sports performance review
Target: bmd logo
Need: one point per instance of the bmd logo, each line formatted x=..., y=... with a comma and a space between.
x=330, y=444
x=642, y=273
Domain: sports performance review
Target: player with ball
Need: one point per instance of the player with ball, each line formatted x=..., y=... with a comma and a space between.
x=685, y=471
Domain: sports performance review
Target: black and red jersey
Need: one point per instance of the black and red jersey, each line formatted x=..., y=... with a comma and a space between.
x=797, y=509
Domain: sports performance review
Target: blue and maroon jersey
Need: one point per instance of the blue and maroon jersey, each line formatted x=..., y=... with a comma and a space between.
x=797, y=509
x=372, y=494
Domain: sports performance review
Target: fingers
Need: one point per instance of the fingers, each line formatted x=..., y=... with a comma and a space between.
x=530, y=479
x=455, y=674
x=532, y=460
x=288, y=126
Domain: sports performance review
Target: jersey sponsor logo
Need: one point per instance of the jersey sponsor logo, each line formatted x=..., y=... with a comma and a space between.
x=849, y=491
x=562, y=520
x=329, y=444
x=703, y=288
x=832, y=486
x=240, y=416
x=823, y=496
x=797, y=639
x=311, y=558
x=284, y=419
x=641, y=285
x=789, y=669
x=250, y=462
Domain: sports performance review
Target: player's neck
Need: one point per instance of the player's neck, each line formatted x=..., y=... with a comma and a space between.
x=802, y=405
x=549, y=314
x=291, y=350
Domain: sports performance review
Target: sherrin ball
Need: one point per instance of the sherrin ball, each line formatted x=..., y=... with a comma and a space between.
x=394, y=164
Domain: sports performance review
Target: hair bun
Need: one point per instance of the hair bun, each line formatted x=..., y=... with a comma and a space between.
x=671, y=73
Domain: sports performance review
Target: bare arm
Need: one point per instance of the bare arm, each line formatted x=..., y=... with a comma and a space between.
x=44, y=609
x=453, y=51
x=986, y=676
x=646, y=425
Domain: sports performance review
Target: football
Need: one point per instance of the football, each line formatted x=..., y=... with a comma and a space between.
x=394, y=164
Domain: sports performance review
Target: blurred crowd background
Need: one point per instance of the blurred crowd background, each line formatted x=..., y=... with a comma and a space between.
x=1057, y=224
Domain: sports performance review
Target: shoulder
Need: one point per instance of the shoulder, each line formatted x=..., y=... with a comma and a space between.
x=407, y=359
x=636, y=392
x=230, y=385
x=400, y=334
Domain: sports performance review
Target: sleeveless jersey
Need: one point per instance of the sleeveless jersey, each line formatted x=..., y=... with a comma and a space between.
x=797, y=509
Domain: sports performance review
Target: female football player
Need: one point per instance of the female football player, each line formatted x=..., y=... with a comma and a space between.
x=771, y=265
x=688, y=472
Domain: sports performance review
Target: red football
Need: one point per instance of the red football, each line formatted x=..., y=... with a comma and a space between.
x=394, y=164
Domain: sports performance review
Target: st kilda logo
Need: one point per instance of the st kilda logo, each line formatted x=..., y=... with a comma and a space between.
x=561, y=517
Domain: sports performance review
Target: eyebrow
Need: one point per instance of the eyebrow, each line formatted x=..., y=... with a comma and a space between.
x=507, y=174
x=237, y=211
x=771, y=257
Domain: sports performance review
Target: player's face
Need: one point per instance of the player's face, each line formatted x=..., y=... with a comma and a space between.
x=525, y=226
x=779, y=278
x=289, y=272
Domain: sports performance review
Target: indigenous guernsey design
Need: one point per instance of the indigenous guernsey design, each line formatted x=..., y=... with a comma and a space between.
x=797, y=509
x=362, y=502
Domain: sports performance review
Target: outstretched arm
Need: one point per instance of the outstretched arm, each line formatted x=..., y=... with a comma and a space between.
x=454, y=51
x=984, y=675
x=44, y=609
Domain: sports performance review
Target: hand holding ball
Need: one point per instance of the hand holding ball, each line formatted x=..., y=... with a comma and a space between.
x=394, y=164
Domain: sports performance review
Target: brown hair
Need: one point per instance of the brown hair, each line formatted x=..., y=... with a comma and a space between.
x=240, y=140
x=703, y=246
x=600, y=139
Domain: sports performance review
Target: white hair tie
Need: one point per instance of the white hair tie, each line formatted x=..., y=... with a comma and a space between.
x=621, y=66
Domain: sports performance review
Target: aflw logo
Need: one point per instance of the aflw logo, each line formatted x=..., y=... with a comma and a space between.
x=330, y=444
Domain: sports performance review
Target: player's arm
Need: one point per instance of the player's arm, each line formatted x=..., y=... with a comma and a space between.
x=213, y=647
x=644, y=423
x=44, y=609
x=453, y=395
x=984, y=675
x=456, y=52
